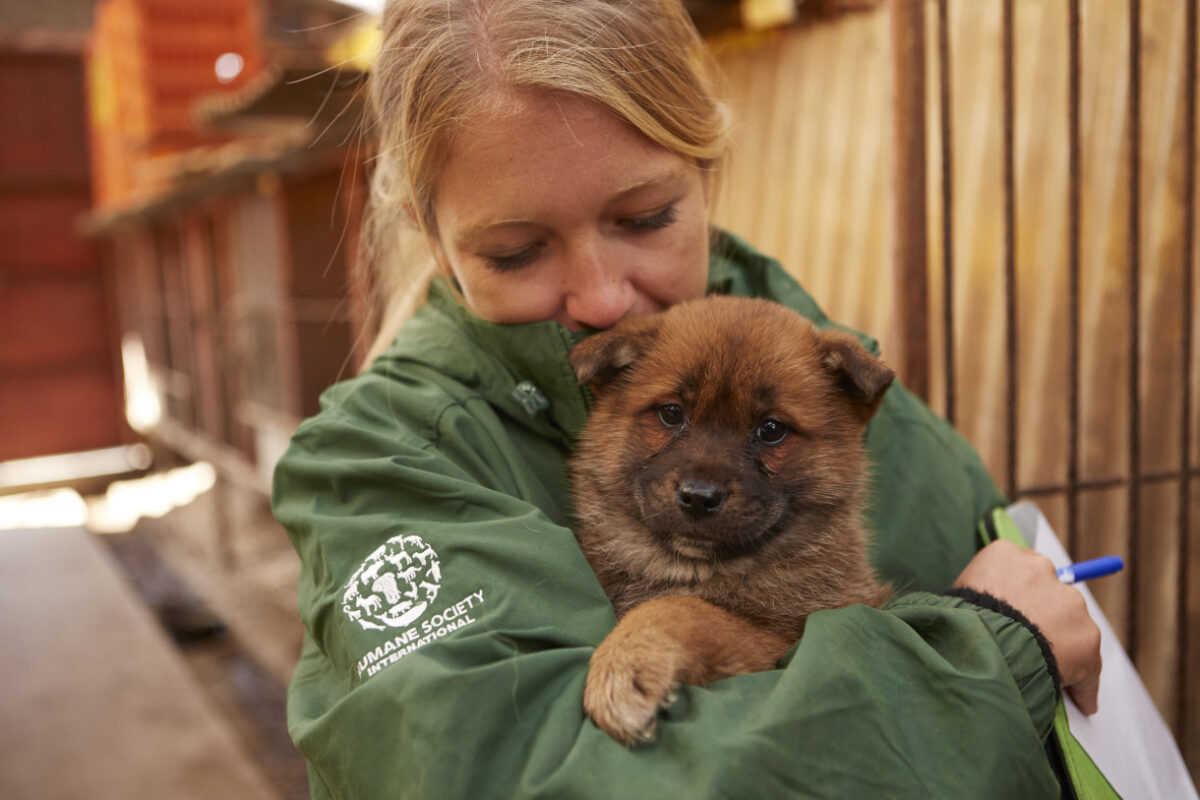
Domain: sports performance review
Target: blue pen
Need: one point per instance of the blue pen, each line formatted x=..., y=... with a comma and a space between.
x=1093, y=568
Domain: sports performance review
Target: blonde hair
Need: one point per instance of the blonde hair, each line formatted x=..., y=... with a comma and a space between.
x=442, y=60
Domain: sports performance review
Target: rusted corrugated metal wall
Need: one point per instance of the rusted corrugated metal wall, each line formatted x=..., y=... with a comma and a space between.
x=60, y=387
x=148, y=61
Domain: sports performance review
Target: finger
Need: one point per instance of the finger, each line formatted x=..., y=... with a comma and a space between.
x=1086, y=694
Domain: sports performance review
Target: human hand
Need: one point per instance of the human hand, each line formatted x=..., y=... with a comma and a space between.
x=1027, y=581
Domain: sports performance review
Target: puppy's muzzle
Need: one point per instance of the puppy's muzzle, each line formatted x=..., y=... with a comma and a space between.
x=700, y=499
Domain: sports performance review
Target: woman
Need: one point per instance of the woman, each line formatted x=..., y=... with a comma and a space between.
x=558, y=158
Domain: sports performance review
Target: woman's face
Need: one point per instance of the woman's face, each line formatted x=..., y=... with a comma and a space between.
x=550, y=207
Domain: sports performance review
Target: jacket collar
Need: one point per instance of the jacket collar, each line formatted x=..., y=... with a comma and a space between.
x=521, y=369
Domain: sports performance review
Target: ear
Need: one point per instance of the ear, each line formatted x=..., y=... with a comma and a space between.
x=602, y=357
x=862, y=376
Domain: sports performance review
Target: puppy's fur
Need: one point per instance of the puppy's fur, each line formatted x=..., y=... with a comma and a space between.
x=718, y=494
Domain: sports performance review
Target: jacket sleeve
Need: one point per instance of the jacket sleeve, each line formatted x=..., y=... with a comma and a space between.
x=480, y=695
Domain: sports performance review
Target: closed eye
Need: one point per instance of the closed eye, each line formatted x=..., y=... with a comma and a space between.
x=653, y=222
x=513, y=261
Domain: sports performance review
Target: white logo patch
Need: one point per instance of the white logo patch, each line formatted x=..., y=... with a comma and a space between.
x=394, y=588
x=395, y=585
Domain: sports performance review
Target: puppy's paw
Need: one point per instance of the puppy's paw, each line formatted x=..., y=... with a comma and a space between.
x=624, y=692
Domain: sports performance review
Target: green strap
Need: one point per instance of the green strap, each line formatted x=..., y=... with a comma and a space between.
x=999, y=525
x=1086, y=779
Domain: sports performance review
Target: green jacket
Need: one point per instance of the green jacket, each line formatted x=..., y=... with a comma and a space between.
x=450, y=614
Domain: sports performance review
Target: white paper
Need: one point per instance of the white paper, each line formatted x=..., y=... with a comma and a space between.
x=1127, y=738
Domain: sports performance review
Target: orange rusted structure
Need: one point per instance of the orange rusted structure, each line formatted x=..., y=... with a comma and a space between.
x=148, y=60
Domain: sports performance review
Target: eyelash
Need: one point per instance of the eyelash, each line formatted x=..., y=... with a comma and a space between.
x=516, y=260
x=655, y=222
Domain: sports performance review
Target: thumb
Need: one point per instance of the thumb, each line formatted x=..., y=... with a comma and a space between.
x=1086, y=693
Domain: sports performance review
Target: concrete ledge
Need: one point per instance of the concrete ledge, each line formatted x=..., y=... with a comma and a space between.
x=97, y=702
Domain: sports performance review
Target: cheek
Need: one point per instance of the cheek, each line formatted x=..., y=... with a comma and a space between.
x=822, y=465
x=508, y=298
x=673, y=276
x=776, y=459
x=800, y=459
x=649, y=436
x=676, y=268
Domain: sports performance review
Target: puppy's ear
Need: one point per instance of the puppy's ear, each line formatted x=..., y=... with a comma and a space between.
x=599, y=359
x=862, y=376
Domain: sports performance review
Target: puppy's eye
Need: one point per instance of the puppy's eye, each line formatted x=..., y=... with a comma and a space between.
x=771, y=431
x=670, y=415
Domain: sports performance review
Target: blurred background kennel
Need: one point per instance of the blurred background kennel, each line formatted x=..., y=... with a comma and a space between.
x=1002, y=191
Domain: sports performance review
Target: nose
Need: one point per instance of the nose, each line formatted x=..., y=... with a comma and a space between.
x=700, y=499
x=599, y=292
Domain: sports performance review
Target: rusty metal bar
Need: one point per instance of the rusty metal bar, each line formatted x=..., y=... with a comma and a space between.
x=947, y=205
x=1010, y=246
x=1042, y=490
x=1183, y=693
x=1113, y=482
x=1075, y=149
x=911, y=259
x=1155, y=477
x=1135, y=317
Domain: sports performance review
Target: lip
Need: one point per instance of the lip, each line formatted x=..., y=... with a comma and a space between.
x=697, y=545
x=692, y=549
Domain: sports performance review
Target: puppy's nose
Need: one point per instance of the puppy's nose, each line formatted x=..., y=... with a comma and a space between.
x=700, y=498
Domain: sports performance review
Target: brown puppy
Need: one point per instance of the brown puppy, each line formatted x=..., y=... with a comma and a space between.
x=718, y=494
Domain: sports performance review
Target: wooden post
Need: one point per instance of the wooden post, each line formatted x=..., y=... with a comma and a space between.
x=910, y=260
